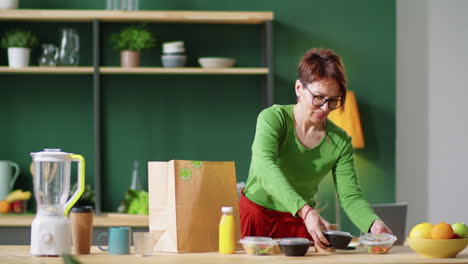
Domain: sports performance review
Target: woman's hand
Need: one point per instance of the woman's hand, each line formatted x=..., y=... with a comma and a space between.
x=315, y=225
x=379, y=227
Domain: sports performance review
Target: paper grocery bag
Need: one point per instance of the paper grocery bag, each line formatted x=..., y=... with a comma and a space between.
x=185, y=200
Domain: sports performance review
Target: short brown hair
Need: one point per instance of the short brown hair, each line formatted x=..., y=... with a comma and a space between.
x=323, y=64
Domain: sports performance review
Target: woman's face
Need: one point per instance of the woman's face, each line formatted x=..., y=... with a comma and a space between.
x=323, y=91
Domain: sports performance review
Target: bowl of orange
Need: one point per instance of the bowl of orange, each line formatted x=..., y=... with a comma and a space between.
x=436, y=241
x=437, y=248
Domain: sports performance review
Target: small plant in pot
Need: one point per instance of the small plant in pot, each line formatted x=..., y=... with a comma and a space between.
x=131, y=41
x=19, y=43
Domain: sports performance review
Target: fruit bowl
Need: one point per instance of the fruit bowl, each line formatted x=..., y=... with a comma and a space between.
x=437, y=248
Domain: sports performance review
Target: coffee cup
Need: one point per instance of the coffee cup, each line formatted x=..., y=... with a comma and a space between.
x=9, y=172
x=81, y=220
x=119, y=240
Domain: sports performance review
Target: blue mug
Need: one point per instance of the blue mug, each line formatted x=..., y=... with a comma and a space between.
x=119, y=240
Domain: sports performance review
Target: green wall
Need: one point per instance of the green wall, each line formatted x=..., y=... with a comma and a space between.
x=203, y=117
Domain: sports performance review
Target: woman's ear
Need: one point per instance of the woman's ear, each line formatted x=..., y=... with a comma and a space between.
x=298, y=88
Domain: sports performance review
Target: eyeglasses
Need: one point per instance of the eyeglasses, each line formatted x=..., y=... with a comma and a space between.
x=319, y=101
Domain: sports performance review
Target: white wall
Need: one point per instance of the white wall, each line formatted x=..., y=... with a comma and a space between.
x=432, y=120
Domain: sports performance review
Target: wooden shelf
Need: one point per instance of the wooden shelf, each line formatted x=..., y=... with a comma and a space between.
x=48, y=70
x=185, y=70
x=138, y=70
x=133, y=16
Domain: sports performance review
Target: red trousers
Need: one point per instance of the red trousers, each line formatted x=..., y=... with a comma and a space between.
x=256, y=220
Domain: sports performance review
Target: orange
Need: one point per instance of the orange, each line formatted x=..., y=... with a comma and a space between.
x=442, y=231
x=422, y=230
x=4, y=207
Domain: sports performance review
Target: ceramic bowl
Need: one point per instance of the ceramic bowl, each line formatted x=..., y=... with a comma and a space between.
x=377, y=243
x=254, y=245
x=216, y=62
x=171, y=61
x=294, y=246
x=338, y=239
x=437, y=248
x=173, y=47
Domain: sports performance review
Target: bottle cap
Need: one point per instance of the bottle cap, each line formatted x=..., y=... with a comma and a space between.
x=226, y=209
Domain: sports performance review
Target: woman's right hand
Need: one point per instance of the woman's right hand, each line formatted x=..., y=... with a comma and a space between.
x=315, y=225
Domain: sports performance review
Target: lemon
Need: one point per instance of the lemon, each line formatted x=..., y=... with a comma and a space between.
x=422, y=230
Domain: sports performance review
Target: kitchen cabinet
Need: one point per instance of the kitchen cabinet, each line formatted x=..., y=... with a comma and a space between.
x=98, y=18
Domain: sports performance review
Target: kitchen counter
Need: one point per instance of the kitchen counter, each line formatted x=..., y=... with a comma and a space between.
x=398, y=254
x=102, y=220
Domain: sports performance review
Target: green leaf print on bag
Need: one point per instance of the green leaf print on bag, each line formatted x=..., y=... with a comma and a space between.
x=185, y=174
x=197, y=164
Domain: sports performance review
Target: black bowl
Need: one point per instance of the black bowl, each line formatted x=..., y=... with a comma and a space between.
x=294, y=246
x=338, y=239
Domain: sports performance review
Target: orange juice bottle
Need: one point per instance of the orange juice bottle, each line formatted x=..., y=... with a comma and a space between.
x=227, y=240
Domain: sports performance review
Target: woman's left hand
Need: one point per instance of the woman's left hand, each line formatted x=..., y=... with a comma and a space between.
x=379, y=227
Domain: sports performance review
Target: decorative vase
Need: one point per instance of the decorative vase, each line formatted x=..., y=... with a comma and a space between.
x=18, y=57
x=129, y=58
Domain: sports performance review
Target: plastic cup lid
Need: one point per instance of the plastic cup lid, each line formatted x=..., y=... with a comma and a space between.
x=377, y=239
x=82, y=209
x=51, y=155
x=337, y=233
x=257, y=240
x=294, y=241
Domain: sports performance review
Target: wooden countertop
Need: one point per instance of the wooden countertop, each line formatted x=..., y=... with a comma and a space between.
x=398, y=255
x=102, y=220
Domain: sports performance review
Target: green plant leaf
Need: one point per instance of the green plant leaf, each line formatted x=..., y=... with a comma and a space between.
x=19, y=38
x=134, y=38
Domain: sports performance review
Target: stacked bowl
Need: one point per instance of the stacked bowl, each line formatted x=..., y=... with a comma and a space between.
x=173, y=54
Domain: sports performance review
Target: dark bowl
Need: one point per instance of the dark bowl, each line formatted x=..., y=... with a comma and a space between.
x=294, y=247
x=338, y=239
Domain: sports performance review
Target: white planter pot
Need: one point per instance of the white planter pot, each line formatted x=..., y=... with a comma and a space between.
x=8, y=4
x=18, y=57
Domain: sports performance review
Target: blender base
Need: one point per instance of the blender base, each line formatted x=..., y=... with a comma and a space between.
x=50, y=236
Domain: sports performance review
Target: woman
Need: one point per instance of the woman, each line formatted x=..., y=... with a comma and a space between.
x=295, y=146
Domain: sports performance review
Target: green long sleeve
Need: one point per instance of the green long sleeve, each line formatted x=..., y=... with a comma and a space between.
x=284, y=175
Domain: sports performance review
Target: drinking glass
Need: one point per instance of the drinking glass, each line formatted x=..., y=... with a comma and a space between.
x=143, y=243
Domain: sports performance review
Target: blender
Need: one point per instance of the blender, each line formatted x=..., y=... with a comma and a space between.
x=50, y=229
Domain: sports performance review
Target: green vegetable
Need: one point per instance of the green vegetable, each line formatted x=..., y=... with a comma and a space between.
x=134, y=202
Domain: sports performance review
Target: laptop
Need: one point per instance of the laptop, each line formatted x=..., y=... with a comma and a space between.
x=394, y=216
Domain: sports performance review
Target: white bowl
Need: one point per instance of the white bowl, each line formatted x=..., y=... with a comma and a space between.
x=207, y=62
x=173, y=47
x=169, y=61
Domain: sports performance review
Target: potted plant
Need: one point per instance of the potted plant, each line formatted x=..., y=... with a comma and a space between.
x=19, y=43
x=130, y=41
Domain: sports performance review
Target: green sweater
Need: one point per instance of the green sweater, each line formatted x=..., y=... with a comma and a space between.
x=284, y=175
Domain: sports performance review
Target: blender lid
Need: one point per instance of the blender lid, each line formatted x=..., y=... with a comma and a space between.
x=51, y=155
